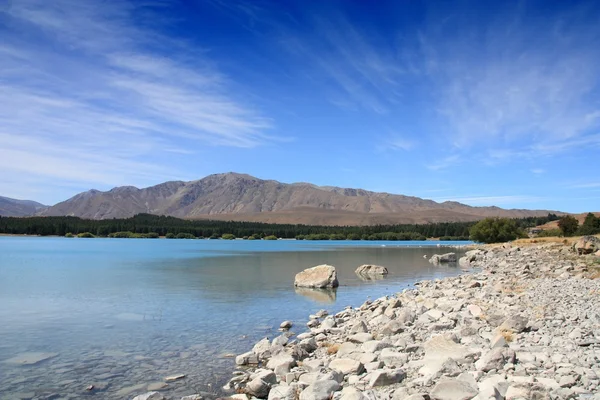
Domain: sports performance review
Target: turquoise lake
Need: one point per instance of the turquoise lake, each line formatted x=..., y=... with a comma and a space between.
x=122, y=314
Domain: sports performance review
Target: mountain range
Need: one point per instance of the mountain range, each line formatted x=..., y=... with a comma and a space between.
x=19, y=208
x=240, y=197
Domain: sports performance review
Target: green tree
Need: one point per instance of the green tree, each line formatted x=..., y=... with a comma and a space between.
x=228, y=236
x=568, y=225
x=270, y=237
x=590, y=226
x=495, y=230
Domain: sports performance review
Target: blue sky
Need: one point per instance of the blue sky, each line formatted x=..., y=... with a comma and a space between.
x=487, y=103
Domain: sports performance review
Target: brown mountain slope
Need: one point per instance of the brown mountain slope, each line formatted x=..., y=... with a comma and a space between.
x=245, y=198
x=19, y=208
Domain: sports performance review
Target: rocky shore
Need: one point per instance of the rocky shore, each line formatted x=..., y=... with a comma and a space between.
x=524, y=324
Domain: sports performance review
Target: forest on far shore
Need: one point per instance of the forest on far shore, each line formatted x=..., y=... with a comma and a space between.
x=154, y=226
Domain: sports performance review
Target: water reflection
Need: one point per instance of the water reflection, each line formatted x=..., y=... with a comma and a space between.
x=326, y=296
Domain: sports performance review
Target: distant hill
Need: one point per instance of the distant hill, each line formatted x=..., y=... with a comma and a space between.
x=19, y=208
x=579, y=217
x=240, y=197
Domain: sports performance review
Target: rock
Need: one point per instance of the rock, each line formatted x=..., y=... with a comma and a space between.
x=359, y=327
x=392, y=328
x=281, y=360
x=320, y=390
x=286, y=325
x=374, y=345
x=198, y=397
x=587, y=245
x=368, y=269
x=156, y=386
x=453, y=389
x=247, y=358
x=262, y=349
x=258, y=388
x=282, y=392
x=443, y=258
x=475, y=310
x=384, y=377
x=346, y=366
x=351, y=393
x=174, y=378
x=438, y=349
x=567, y=381
x=392, y=358
x=517, y=392
x=150, y=396
x=321, y=276
x=361, y=337
x=495, y=359
x=515, y=323
x=31, y=358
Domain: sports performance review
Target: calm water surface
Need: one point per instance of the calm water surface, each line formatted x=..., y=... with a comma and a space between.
x=121, y=314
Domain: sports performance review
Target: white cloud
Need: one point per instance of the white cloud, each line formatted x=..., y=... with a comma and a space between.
x=90, y=92
x=538, y=171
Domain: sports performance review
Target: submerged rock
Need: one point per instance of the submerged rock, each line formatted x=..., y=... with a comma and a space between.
x=443, y=258
x=368, y=269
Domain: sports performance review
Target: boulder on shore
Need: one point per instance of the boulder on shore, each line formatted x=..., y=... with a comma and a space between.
x=587, y=245
x=368, y=269
x=321, y=276
x=443, y=258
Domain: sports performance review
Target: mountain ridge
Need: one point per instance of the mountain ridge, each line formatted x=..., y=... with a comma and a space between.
x=242, y=197
x=10, y=207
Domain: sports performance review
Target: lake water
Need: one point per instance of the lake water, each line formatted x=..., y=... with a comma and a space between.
x=122, y=314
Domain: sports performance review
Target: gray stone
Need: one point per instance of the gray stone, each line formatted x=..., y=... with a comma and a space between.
x=286, y=325
x=346, y=366
x=453, y=389
x=320, y=390
x=374, y=345
x=495, y=359
x=281, y=359
x=443, y=258
x=321, y=276
x=384, y=377
x=369, y=269
x=282, y=392
x=30, y=358
x=351, y=393
x=361, y=337
x=359, y=327
x=247, y=358
x=150, y=396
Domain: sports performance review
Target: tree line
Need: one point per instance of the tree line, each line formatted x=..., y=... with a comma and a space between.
x=148, y=225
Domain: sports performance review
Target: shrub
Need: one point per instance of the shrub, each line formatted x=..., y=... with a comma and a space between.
x=85, y=235
x=270, y=237
x=568, y=225
x=495, y=230
x=69, y=235
x=549, y=233
x=185, y=236
x=228, y=236
x=170, y=235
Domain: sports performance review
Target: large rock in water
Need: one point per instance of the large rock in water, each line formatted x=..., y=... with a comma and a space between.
x=321, y=276
x=368, y=269
x=443, y=258
x=587, y=245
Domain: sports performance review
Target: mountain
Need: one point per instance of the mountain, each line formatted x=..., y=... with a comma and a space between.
x=19, y=208
x=242, y=197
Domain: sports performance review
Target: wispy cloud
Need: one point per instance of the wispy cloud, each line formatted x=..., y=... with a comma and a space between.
x=538, y=171
x=589, y=185
x=445, y=162
x=90, y=92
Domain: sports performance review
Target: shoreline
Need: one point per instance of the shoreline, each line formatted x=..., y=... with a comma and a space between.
x=500, y=332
